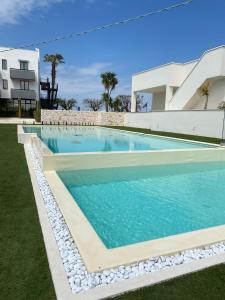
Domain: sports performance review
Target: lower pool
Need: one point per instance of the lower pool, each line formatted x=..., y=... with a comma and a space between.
x=135, y=204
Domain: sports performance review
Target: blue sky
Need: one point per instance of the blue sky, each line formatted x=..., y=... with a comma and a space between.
x=179, y=35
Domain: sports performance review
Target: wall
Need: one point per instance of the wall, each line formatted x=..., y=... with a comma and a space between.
x=158, y=101
x=210, y=67
x=75, y=117
x=203, y=123
x=216, y=96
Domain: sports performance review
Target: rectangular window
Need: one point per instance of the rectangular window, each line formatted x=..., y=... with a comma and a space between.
x=4, y=64
x=24, y=85
x=5, y=84
x=23, y=65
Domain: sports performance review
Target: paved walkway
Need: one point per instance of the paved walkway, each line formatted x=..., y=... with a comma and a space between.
x=16, y=121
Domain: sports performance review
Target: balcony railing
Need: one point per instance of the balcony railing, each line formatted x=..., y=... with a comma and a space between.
x=23, y=94
x=22, y=74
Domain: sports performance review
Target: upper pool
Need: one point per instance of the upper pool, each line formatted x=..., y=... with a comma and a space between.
x=65, y=139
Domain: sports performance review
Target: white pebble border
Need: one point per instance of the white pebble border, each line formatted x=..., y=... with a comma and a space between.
x=79, y=278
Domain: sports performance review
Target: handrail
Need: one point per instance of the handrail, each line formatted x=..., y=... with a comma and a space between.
x=165, y=65
x=23, y=90
x=21, y=69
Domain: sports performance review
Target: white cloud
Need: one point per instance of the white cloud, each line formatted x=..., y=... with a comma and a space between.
x=85, y=82
x=11, y=11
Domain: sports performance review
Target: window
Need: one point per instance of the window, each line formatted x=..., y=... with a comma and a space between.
x=24, y=85
x=23, y=65
x=5, y=84
x=4, y=64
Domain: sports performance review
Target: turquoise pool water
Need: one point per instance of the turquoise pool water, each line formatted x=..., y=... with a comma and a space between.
x=65, y=139
x=136, y=204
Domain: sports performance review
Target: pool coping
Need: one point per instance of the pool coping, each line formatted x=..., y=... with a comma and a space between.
x=62, y=288
x=95, y=254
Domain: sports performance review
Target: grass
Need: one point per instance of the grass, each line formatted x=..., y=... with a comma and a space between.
x=170, y=134
x=204, y=285
x=23, y=263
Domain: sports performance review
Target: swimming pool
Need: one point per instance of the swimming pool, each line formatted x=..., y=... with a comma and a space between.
x=135, y=204
x=67, y=139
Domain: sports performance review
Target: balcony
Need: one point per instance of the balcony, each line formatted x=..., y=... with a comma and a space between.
x=23, y=94
x=22, y=74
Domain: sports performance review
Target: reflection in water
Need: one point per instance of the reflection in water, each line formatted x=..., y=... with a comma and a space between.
x=107, y=145
x=53, y=145
x=66, y=139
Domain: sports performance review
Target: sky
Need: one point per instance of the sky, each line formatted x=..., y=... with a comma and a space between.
x=179, y=35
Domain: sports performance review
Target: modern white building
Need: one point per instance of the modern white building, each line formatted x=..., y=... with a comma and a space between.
x=176, y=86
x=20, y=76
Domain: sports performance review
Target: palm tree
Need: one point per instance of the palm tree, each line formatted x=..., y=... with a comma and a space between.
x=55, y=60
x=204, y=91
x=109, y=81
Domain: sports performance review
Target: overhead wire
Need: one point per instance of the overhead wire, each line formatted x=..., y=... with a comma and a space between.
x=98, y=28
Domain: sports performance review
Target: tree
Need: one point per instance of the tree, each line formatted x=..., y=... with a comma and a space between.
x=67, y=104
x=109, y=81
x=93, y=104
x=140, y=102
x=221, y=105
x=204, y=91
x=122, y=103
x=55, y=60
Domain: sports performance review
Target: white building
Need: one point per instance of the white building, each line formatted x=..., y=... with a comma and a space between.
x=20, y=76
x=175, y=86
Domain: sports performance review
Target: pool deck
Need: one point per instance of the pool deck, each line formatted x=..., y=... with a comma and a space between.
x=62, y=287
x=97, y=257
x=80, y=228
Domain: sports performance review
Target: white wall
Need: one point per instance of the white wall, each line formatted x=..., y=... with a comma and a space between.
x=209, y=67
x=202, y=123
x=216, y=96
x=13, y=61
x=158, y=101
x=171, y=74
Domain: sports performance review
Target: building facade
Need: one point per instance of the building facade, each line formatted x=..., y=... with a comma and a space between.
x=19, y=78
x=177, y=86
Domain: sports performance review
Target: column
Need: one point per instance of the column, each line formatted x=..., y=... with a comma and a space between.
x=134, y=102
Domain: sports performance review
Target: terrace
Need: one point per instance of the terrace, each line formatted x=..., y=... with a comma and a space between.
x=200, y=283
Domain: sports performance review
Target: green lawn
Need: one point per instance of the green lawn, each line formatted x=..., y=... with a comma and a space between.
x=24, y=271
x=170, y=134
x=208, y=284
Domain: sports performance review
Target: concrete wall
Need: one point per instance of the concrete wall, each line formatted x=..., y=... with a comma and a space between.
x=216, y=96
x=75, y=117
x=158, y=101
x=203, y=123
x=210, y=67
